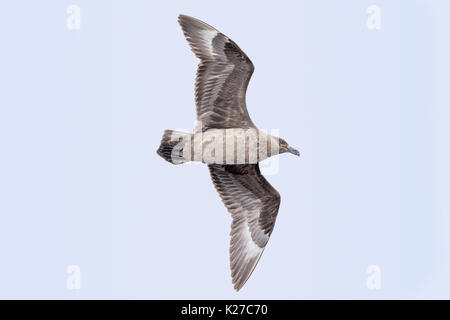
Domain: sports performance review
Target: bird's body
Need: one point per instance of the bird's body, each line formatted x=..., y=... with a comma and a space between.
x=226, y=139
x=223, y=146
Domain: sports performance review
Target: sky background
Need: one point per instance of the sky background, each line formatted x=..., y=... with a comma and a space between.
x=82, y=112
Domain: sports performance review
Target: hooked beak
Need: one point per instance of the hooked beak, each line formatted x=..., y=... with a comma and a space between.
x=293, y=151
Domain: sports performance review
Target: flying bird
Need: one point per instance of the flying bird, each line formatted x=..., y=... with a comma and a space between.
x=226, y=139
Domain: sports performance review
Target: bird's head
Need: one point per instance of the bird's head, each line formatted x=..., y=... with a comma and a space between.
x=285, y=147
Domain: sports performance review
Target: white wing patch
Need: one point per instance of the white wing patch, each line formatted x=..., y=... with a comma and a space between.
x=251, y=249
x=207, y=36
x=244, y=252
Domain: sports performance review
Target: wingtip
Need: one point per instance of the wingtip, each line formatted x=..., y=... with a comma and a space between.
x=238, y=287
x=238, y=284
x=183, y=18
x=180, y=19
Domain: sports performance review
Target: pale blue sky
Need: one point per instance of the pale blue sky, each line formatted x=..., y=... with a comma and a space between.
x=82, y=113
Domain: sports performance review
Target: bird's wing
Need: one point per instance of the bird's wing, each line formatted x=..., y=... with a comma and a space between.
x=222, y=77
x=253, y=204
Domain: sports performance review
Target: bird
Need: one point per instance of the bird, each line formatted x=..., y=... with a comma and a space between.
x=229, y=143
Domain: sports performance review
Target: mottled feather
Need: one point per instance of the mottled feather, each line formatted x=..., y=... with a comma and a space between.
x=253, y=204
x=222, y=77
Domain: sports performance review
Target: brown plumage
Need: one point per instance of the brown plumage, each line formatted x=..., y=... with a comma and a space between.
x=222, y=77
x=253, y=204
x=221, y=84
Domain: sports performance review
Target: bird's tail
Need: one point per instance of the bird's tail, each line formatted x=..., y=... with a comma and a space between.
x=175, y=146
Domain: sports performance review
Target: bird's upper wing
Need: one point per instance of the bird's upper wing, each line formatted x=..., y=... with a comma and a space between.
x=253, y=204
x=222, y=77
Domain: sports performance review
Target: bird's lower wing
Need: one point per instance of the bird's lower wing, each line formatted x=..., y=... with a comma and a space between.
x=253, y=204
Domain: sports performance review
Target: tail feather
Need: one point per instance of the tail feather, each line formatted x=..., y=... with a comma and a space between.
x=172, y=147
